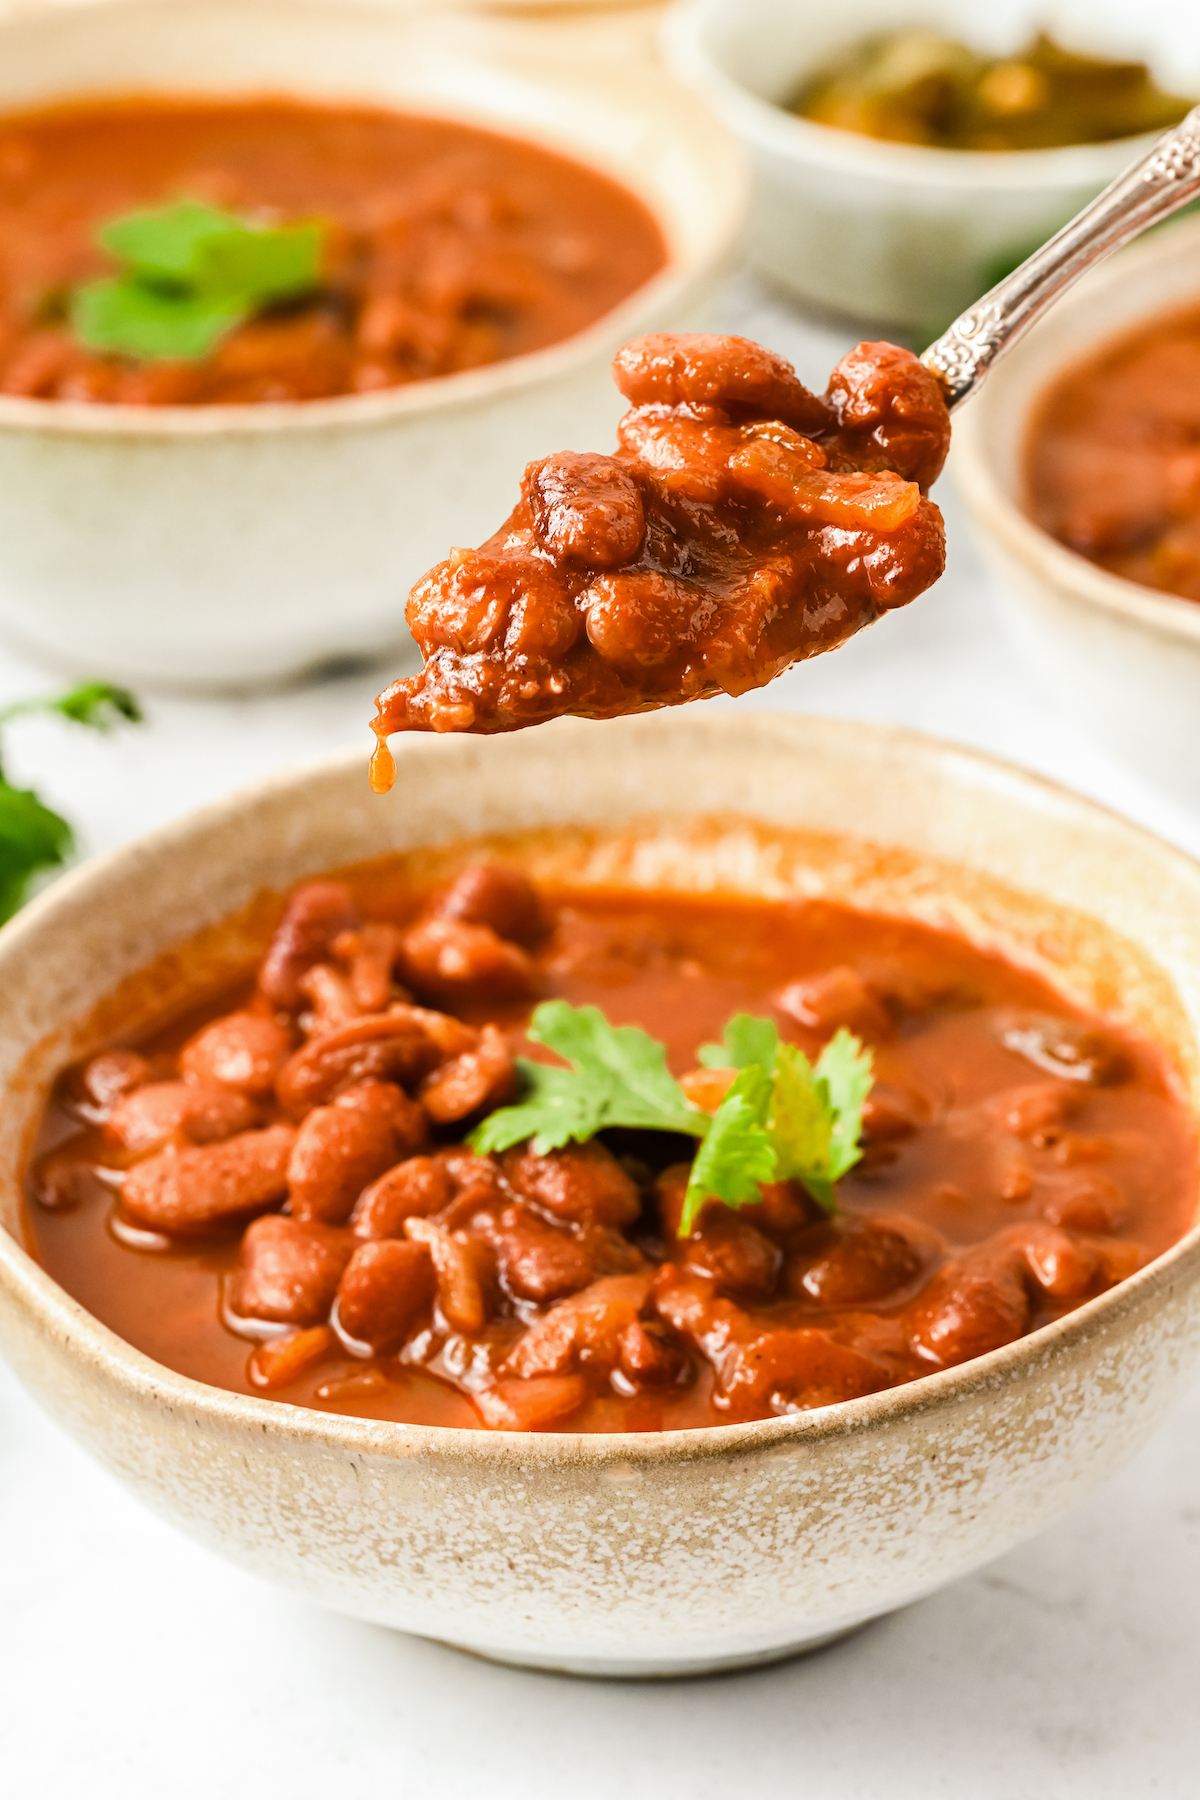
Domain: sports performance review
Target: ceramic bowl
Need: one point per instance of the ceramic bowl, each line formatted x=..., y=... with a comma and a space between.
x=649, y=1554
x=902, y=234
x=209, y=546
x=1124, y=659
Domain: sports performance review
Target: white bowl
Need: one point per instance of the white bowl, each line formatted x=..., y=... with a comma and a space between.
x=234, y=544
x=646, y=1553
x=1124, y=659
x=901, y=233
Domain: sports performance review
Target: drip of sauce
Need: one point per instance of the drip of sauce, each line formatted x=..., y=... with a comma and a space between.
x=383, y=764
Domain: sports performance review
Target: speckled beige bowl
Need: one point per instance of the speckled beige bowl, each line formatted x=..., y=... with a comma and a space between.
x=1124, y=659
x=624, y=1555
x=223, y=546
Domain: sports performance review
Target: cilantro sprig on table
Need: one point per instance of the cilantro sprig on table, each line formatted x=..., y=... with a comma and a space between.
x=190, y=273
x=782, y=1118
x=32, y=837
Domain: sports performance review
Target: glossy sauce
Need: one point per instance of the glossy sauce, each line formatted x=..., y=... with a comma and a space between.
x=970, y=1140
x=447, y=247
x=742, y=524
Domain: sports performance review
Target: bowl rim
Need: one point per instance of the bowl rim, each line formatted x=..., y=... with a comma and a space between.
x=443, y=393
x=994, y=510
x=806, y=141
x=56, y=1314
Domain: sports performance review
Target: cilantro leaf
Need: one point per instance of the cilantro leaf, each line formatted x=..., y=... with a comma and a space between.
x=737, y=1154
x=618, y=1075
x=745, y=1040
x=806, y=1120
x=125, y=317
x=32, y=837
x=782, y=1118
x=164, y=243
x=97, y=704
x=191, y=274
x=846, y=1067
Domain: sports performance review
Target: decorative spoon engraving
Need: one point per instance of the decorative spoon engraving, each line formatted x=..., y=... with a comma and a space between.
x=1148, y=191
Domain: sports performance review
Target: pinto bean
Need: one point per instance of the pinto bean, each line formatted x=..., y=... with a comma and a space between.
x=62, y=1180
x=1035, y=1111
x=760, y=1370
x=459, y=1288
x=108, y=1077
x=1061, y=1266
x=202, y=1111
x=390, y=1047
x=448, y=960
x=283, y=1360
x=530, y=1405
x=649, y=1358
x=485, y=1076
x=891, y=1112
x=244, y=1050
x=312, y=919
x=638, y=619
x=538, y=1261
x=196, y=1188
x=892, y=411
x=333, y=1000
x=415, y=1188
x=341, y=1147
x=583, y=1183
x=386, y=1284
x=586, y=510
x=732, y=373
x=584, y=1330
x=737, y=1259
x=493, y=894
x=970, y=1307
x=836, y=997
x=289, y=1270
x=1088, y=1202
x=372, y=952
x=861, y=1264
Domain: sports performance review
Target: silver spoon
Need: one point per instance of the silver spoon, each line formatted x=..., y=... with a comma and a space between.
x=1149, y=190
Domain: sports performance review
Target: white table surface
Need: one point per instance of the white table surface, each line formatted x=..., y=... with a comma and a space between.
x=133, y=1664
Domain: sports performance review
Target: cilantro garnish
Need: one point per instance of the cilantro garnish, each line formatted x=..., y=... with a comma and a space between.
x=191, y=274
x=782, y=1119
x=803, y=1119
x=618, y=1076
x=33, y=838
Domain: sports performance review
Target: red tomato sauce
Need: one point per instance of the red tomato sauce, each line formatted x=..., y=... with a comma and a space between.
x=272, y=1195
x=1113, y=463
x=447, y=247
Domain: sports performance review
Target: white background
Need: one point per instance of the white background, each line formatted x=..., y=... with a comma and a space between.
x=133, y=1664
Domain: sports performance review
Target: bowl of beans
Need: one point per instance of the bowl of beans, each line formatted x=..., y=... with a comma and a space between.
x=903, y=166
x=1076, y=463
x=289, y=293
x=641, y=1223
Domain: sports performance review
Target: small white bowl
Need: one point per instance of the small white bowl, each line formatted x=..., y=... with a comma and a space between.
x=201, y=546
x=1124, y=659
x=651, y=1553
x=900, y=233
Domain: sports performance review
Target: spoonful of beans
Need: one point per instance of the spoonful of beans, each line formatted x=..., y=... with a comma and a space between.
x=743, y=523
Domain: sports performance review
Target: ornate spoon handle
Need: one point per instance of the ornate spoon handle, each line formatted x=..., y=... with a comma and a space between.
x=1166, y=178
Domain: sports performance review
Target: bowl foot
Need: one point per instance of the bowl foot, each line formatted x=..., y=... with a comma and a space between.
x=633, y=1669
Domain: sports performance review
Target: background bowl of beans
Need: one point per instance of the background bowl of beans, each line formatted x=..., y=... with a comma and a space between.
x=490, y=224
x=1075, y=465
x=649, y=1551
x=899, y=173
